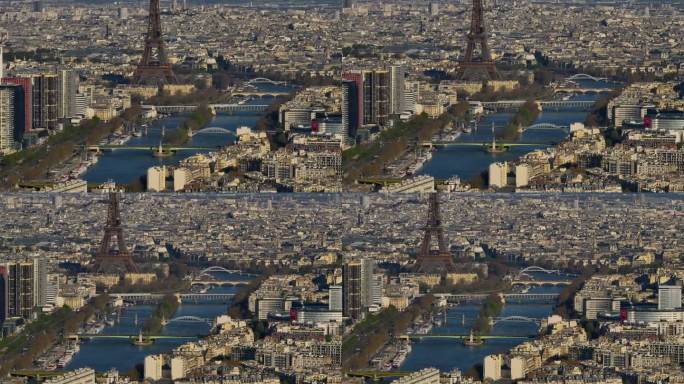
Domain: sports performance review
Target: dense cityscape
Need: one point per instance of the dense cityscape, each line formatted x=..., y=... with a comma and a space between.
x=341, y=191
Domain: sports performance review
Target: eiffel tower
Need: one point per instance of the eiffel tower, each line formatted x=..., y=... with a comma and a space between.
x=154, y=68
x=433, y=261
x=108, y=259
x=477, y=68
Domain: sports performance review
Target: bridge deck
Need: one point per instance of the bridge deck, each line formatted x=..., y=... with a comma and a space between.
x=156, y=337
x=219, y=282
x=541, y=282
x=461, y=336
x=378, y=374
x=482, y=144
x=144, y=148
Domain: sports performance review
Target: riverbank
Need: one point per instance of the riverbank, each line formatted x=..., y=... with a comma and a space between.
x=19, y=351
x=524, y=117
x=239, y=307
x=377, y=330
x=104, y=353
x=34, y=163
x=447, y=354
x=164, y=311
x=491, y=308
x=469, y=162
x=194, y=122
x=369, y=159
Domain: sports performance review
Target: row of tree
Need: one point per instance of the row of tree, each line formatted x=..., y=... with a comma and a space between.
x=35, y=163
x=19, y=351
x=164, y=311
x=239, y=307
x=370, y=158
x=376, y=330
x=490, y=309
x=524, y=117
x=194, y=122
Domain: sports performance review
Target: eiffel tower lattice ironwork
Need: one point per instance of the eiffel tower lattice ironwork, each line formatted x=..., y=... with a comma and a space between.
x=108, y=258
x=440, y=260
x=154, y=68
x=472, y=67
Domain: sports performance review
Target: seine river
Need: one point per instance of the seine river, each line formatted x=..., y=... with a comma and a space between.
x=124, y=166
x=105, y=354
x=449, y=354
x=467, y=162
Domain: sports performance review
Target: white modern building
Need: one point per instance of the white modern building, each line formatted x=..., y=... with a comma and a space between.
x=153, y=367
x=492, y=367
x=335, y=298
x=669, y=296
x=156, y=179
x=181, y=178
x=318, y=316
x=498, y=175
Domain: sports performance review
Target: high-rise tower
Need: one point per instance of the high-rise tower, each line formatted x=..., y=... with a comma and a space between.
x=108, y=258
x=45, y=101
x=8, y=116
x=350, y=107
x=434, y=261
x=482, y=67
x=154, y=68
x=18, y=300
x=352, y=289
x=396, y=89
x=376, y=97
x=67, y=86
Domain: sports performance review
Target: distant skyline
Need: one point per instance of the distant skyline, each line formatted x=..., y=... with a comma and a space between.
x=333, y=2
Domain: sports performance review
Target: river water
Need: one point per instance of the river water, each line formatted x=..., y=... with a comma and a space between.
x=448, y=354
x=105, y=354
x=467, y=162
x=124, y=166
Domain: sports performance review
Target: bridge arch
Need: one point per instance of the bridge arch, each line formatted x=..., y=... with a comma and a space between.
x=259, y=95
x=518, y=319
x=214, y=130
x=218, y=269
x=263, y=80
x=535, y=268
x=546, y=126
x=584, y=76
x=188, y=319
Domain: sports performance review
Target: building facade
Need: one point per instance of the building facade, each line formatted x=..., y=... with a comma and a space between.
x=8, y=117
x=45, y=101
x=352, y=299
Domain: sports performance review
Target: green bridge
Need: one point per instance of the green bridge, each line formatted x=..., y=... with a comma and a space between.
x=128, y=337
x=144, y=148
x=461, y=336
x=481, y=144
